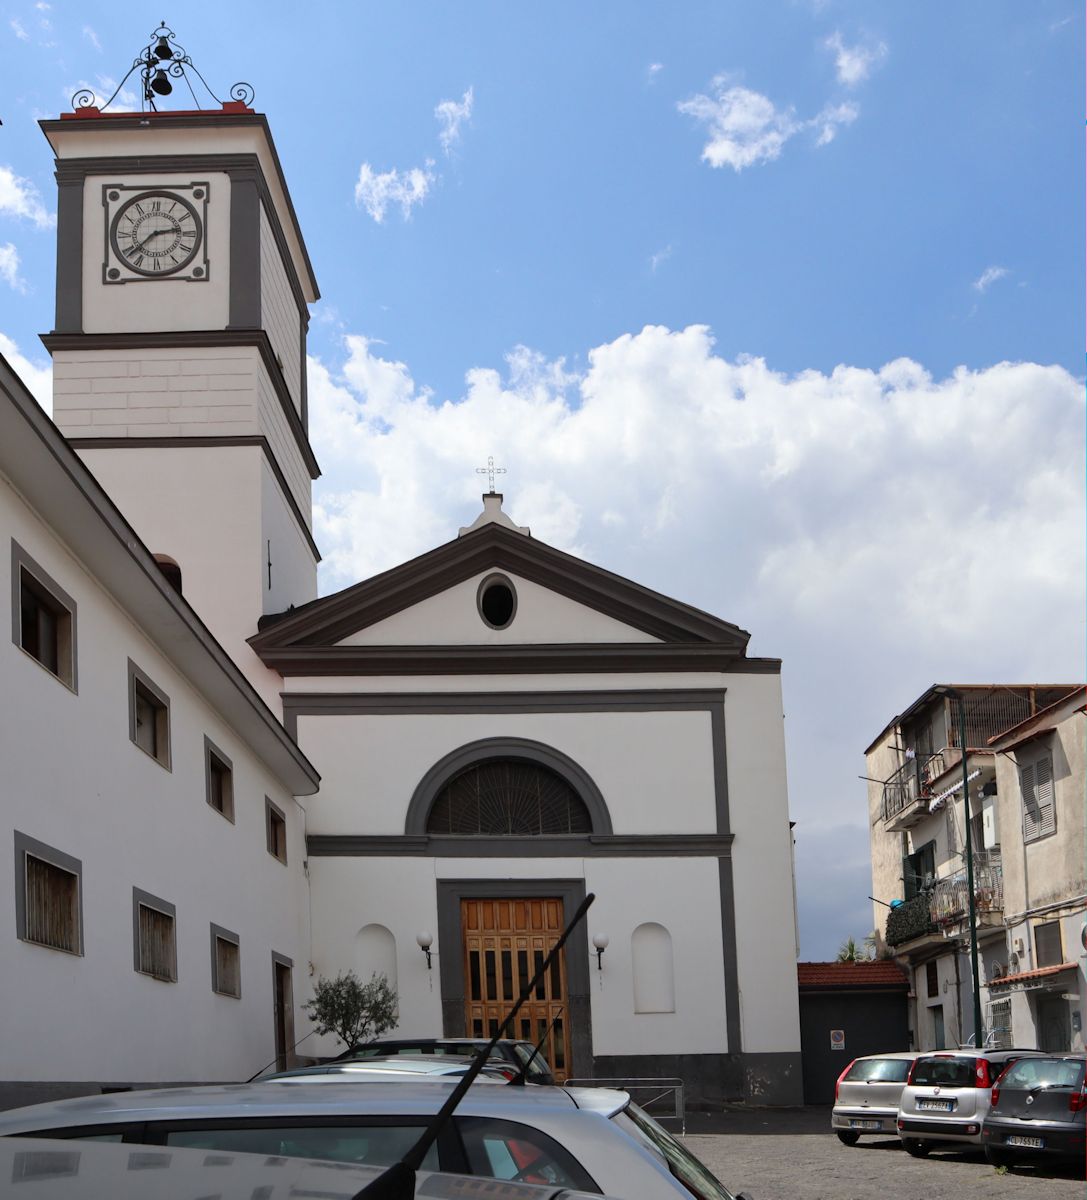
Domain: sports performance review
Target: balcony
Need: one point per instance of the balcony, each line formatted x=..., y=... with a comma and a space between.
x=949, y=897
x=911, y=921
x=906, y=794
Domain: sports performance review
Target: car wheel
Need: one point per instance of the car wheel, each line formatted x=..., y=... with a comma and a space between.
x=848, y=1137
x=917, y=1147
x=998, y=1158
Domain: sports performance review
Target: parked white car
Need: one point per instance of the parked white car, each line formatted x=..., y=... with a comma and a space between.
x=947, y=1096
x=867, y=1093
x=588, y=1139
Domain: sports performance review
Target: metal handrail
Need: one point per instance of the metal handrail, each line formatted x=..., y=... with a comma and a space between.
x=660, y=1087
x=910, y=781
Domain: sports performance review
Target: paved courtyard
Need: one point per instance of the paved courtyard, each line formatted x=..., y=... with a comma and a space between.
x=790, y=1154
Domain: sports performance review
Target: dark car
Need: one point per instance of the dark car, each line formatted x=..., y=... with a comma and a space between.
x=518, y=1053
x=1037, y=1111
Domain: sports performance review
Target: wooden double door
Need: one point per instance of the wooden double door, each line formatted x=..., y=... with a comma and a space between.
x=505, y=944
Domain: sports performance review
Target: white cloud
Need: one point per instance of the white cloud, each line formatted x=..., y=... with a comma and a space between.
x=855, y=63
x=745, y=128
x=376, y=192
x=451, y=116
x=849, y=485
x=9, y=267
x=653, y=70
x=18, y=30
x=38, y=377
x=661, y=256
x=830, y=120
x=20, y=198
x=92, y=37
x=988, y=277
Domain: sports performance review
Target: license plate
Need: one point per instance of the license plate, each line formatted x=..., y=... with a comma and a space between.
x=1028, y=1143
x=936, y=1105
x=864, y=1124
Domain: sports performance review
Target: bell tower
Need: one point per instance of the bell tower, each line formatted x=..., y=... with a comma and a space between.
x=179, y=346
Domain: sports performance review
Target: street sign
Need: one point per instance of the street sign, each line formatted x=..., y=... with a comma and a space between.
x=837, y=1039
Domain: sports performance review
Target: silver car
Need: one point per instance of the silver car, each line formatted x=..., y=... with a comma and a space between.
x=590, y=1139
x=48, y=1169
x=867, y=1093
x=947, y=1096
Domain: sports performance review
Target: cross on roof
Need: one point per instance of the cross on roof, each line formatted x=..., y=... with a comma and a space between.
x=490, y=470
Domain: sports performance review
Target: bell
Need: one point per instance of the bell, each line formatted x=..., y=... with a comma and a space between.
x=163, y=51
x=161, y=84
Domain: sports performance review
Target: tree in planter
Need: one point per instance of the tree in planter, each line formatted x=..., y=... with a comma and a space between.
x=352, y=1010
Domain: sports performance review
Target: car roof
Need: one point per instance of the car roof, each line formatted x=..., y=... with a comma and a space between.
x=974, y=1052
x=353, y=1098
x=82, y=1170
x=909, y=1055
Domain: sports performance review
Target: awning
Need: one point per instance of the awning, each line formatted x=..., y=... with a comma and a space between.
x=955, y=787
x=1030, y=981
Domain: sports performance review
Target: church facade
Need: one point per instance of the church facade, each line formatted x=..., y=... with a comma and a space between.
x=499, y=727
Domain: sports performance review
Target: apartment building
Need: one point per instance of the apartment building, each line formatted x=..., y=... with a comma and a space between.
x=1021, y=831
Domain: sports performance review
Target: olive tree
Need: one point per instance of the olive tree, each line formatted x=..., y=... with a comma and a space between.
x=352, y=1010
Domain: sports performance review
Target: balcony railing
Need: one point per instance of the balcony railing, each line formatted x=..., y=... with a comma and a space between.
x=949, y=897
x=910, y=783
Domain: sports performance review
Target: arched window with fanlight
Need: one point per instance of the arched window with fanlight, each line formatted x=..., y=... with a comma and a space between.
x=505, y=787
x=508, y=797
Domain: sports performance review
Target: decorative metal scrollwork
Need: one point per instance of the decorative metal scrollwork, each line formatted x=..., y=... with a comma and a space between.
x=161, y=60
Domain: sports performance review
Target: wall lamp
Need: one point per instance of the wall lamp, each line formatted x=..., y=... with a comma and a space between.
x=600, y=944
x=425, y=941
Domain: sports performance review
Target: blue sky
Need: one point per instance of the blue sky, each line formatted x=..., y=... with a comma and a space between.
x=775, y=307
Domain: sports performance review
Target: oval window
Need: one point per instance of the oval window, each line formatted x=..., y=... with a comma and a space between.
x=497, y=601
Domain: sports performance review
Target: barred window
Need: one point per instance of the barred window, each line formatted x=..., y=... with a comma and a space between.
x=52, y=905
x=508, y=798
x=155, y=951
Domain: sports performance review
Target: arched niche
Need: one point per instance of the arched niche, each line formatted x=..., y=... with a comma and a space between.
x=654, y=974
x=375, y=953
x=513, y=751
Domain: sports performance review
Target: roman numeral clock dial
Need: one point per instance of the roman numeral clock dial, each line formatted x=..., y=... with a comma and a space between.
x=155, y=233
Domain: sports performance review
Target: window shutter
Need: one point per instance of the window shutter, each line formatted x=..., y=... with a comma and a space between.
x=1031, y=821
x=1047, y=809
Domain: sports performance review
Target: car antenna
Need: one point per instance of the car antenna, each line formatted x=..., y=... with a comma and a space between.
x=519, y=1079
x=398, y=1182
x=276, y=1059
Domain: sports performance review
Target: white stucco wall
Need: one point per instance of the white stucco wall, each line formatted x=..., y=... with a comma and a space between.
x=654, y=769
x=400, y=893
x=279, y=311
x=452, y=618
x=74, y=781
x=761, y=858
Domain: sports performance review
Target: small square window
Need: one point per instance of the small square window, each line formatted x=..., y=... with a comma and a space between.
x=48, y=900
x=277, y=830
x=153, y=927
x=226, y=975
x=219, y=773
x=1047, y=944
x=148, y=716
x=42, y=617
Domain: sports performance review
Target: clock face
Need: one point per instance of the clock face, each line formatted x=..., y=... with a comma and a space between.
x=156, y=233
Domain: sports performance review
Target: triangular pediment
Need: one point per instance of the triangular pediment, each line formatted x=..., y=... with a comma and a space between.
x=587, y=606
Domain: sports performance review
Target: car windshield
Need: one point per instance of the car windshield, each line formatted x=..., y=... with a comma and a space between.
x=1062, y=1074
x=946, y=1071
x=695, y=1176
x=879, y=1070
